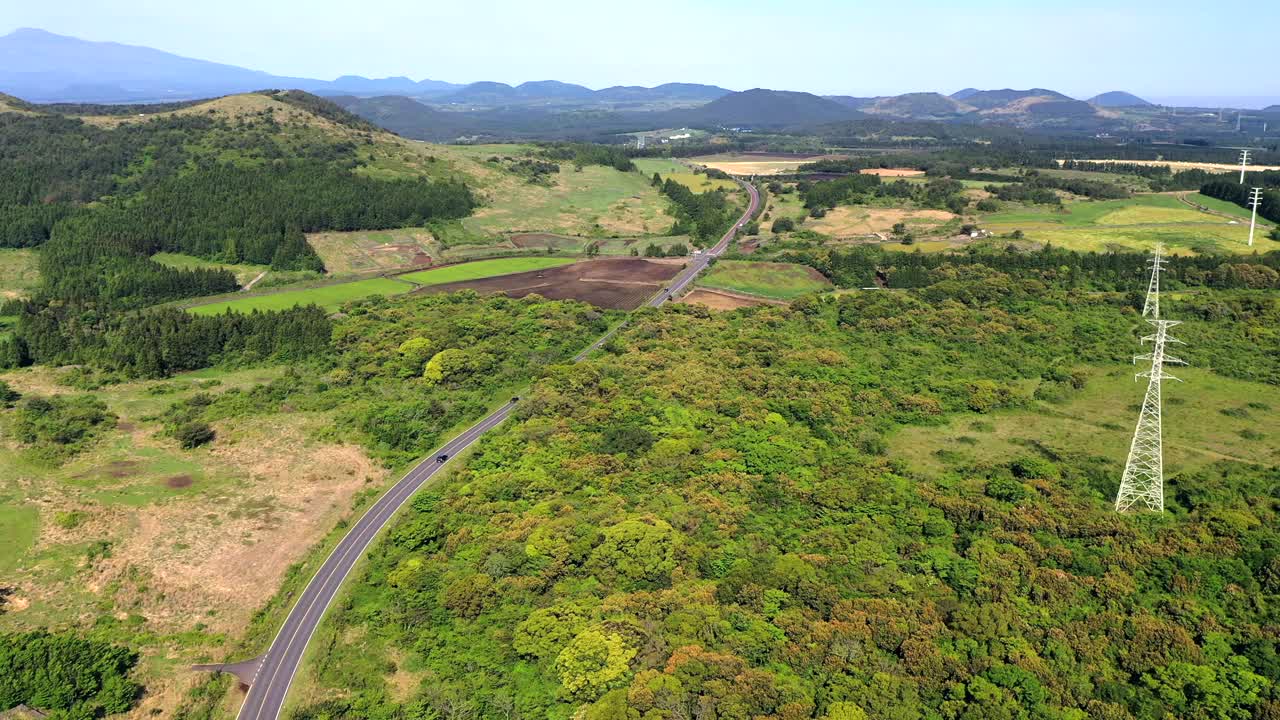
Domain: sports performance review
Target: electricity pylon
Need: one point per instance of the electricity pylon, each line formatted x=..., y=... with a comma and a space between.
x=1142, y=485
x=1244, y=160
x=1255, y=199
x=1156, y=263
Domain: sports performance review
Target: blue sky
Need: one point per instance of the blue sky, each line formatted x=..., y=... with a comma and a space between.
x=1080, y=47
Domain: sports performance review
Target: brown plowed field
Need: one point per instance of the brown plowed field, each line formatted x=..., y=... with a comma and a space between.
x=619, y=283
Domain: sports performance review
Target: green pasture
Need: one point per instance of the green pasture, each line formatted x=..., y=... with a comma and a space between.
x=329, y=297
x=766, y=279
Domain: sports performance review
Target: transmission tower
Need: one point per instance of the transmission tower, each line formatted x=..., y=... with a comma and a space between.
x=1255, y=199
x=1142, y=485
x=1156, y=263
x=1244, y=160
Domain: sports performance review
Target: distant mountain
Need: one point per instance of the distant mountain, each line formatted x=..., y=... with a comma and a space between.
x=916, y=105
x=553, y=89
x=358, y=85
x=44, y=67
x=1271, y=109
x=769, y=108
x=481, y=93
x=1118, y=98
x=493, y=93
x=850, y=101
x=962, y=94
x=408, y=117
x=991, y=99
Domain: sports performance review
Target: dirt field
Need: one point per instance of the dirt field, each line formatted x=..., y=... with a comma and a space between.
x=892, y=172
x=849, y=221
x=620, y=283
x=362, y=251
x=1178, y=165
x=721, y=300
x=765, y=165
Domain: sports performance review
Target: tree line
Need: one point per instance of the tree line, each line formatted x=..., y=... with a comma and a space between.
x=163, y=341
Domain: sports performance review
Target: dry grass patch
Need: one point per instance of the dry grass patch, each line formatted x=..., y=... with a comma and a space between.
x=366, y=251
x=853, y=220
x=722, y=300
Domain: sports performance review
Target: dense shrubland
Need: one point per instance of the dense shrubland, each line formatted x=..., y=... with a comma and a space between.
x=702, y=522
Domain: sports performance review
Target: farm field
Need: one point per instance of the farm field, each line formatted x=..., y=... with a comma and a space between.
x=672, y=170
x=618, y=283
x=366, y=250
x=1131, y=223
x=754, y=164
x=1205, y=420
x=482, y=269
x=540, y=242
x=766, y=279
x=18, y=272
x=329, y=297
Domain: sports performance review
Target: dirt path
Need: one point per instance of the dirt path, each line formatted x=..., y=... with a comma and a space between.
x=249, y=286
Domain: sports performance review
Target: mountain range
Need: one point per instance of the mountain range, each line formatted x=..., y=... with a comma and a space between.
x=43, y=67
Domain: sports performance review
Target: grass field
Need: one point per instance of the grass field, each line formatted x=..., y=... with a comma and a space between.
x=244, y=273
x=670, y=169
x=595, y=200
x=329, y=297
x=1133, y=223
x=1224, y=207
x=1099, y=421
x=483, y=269
x=772, y=280
x=18, y=272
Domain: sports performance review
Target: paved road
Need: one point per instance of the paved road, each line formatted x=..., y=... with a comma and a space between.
x=270, y=675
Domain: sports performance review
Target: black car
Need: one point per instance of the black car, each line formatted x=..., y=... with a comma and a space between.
x=515, y=399
x=441, y=458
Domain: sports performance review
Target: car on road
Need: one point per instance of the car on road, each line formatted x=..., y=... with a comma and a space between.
x=441, y=458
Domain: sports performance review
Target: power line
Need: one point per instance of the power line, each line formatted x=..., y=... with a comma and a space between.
x=1244, y=160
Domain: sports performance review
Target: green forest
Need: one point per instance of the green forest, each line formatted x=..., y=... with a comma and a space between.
x=99, y=202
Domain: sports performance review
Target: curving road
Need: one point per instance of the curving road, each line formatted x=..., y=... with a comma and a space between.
x=270, y=675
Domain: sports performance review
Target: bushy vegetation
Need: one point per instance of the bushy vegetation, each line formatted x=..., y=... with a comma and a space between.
x=703, y=523
x=54, y=428
x=69, y=676
x=397, y=387
x=583, y=154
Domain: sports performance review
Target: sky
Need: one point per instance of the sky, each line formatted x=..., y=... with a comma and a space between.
x=1165, y=49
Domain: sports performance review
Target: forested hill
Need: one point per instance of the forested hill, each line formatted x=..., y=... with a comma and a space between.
x=238, y=179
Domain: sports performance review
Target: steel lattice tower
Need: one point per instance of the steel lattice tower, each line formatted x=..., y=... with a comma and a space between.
x=1142, y=486
x=1152, y=305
